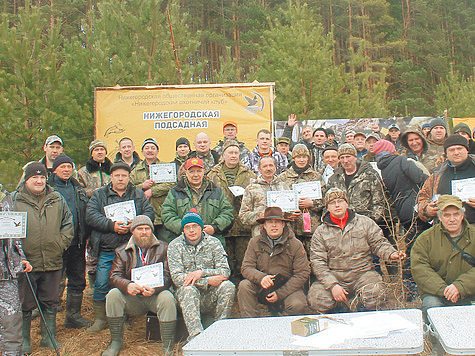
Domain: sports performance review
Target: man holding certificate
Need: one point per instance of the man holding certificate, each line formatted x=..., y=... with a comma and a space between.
x=109, y=213
x=154, y=191
x=455, y=176
x=140, y=292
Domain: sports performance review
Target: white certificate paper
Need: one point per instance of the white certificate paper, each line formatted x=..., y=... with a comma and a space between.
x=13, y=224
x=464, y=188
x=121, y=212
x=163, y=172
x=285, y=199
x=237, y=190
x=311, y=190
x=327, y=173
x=375, y=167
x=150, y=275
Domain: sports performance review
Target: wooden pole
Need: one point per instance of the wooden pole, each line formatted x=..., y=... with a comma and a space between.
x=175, y=52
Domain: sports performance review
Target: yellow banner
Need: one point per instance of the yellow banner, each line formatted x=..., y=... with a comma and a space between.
x=167, y=113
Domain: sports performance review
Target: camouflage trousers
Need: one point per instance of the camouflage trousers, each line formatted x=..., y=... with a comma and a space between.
x=367, y=287
x=194, y=302
x=10, y=317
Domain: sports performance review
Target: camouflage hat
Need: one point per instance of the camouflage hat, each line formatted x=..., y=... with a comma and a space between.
x=447, y=200
x=300, y=149
x=230, y=143
x=347, y=149
x=335, y=193
x=95, y=144
x=283, y=140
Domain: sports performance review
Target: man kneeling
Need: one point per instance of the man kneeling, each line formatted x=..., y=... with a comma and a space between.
x=143, y=249
x=274, y=254
x=340, y=255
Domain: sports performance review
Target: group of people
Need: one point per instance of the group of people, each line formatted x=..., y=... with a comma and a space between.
x=214, y=236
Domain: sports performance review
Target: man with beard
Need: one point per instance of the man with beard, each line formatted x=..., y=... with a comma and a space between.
x=142, y=249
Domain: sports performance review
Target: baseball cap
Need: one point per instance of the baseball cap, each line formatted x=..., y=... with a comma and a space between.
x=53, y=138
x=194, y=162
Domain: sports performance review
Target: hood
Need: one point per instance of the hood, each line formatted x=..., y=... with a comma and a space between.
x=385, y=160
x=416, y=131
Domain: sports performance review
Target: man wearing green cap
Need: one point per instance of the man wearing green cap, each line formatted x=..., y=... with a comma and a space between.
x=200, y=271
x=442, y=258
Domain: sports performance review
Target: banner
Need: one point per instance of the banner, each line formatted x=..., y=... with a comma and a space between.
x=167, y=113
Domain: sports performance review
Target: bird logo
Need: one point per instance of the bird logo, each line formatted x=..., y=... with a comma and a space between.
x=254, y=104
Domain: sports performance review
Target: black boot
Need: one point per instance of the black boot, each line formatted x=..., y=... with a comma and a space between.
x=74, y=320
x=26, y=348
x=116, y=326
x=47, y=341
x=168, y=332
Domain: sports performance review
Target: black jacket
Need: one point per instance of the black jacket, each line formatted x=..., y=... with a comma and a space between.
x=103, y=236
x=403, y=179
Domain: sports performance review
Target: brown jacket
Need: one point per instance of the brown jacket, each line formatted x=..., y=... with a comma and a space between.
x=288, y=258
x=126, y=259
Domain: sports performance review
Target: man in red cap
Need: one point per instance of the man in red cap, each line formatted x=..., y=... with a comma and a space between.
x=230, y=130
x=194, y=190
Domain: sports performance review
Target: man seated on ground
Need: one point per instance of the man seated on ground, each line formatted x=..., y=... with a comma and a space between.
x=230, y=130
x=200, y=271
x=275, y=251
x=444, y=275
x=142, y=249
x=340, y=256
x=459, y=165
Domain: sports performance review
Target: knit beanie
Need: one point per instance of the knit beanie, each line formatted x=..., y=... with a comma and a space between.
x=150, y=140
x=97, y=143
x=182, y=141
x=455, y=140
x=35, y=169
x=192, y=217
x=62, y=158
x=141, y=220
x=300, y=149
x=347, y=149
x=382, y=146
x=230, y=143
x=335, y=193
x=463, y=127
x=437, y=122
x=427, y=124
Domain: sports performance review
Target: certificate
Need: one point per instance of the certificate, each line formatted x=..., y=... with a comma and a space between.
x=13, y=224
x=237, y=190
x=163, y=172
x=464, y=188
x=285, y=199
x=150, y=275
x=121, y=212
x=311, y=190
x=327, y=173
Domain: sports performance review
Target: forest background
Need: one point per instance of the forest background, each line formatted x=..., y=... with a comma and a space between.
x=329, y=59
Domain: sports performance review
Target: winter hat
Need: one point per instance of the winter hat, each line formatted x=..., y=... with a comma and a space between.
x=463, y=127
x=427, y=124
x=150, y=140
x=455, y=140
x=141, y=220
x=437, y=122
x=382, y=146
x=230, y=143
x=182, y=141
x=192, y=217
x=300, y=149
x=62, y=158
x=120, y=165
x=330, y=132
x=35, y=169
x=97, y=143
x=335, y=193
x=347, y=149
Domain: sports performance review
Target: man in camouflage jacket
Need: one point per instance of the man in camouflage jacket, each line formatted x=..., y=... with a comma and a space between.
x=96, y=173
x=230, y=133
x=230, y=172
x=200, y=271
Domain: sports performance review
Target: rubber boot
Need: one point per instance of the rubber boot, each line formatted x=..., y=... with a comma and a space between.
x=100, y=322
x=91, y=277
x=26, y=328
x=168, y=332
x=74, y=320
x=46, y=340
x=116, y=327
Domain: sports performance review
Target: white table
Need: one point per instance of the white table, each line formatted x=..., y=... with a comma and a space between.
x=455, y=328
x=272, y=336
